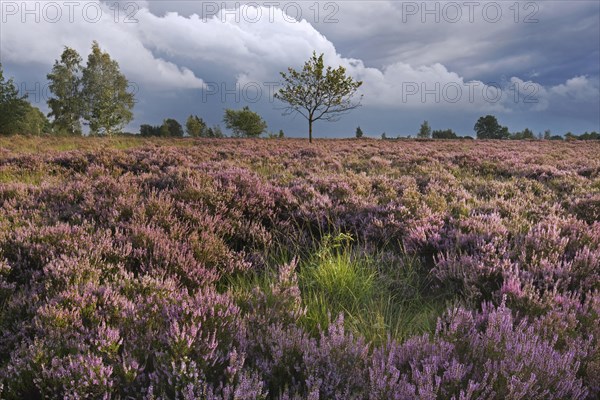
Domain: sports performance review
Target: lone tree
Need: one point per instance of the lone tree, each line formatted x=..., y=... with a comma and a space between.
x=488, y=128
x=424, y=131
x=244, y=122
x=359, y=132
x=65, y=85
x=107, y=103
x=317, y=92
x=195, y=126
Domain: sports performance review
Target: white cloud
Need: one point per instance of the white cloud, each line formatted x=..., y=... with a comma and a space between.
x=578, y=88
x=42, y=42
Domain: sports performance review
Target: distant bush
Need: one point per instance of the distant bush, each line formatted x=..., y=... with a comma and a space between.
x=244, y=122
x=444, y=134
x=525, y=134
x=359, y=132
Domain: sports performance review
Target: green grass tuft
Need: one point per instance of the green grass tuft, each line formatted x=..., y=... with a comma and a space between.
x=377, y=300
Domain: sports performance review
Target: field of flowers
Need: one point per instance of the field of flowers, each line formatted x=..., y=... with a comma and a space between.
x=274, y=269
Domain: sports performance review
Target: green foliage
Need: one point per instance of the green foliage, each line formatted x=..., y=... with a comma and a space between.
x=526, y=134
x=16, y=114
x=171, y=127
x=488, y=128
x=244, y=122
x=65, y=84
x=149, y=130
x=589, y=136
x=377, y=300
x=107, y=103
x=164, y=130
x=424, y=131
x=13, y=107
x=215, y=132
x=570, y=136
x=444, y=134
x=97, y=93
x=359, y=132
x=195, y=127
x=281, y=134
x=35, y=122
x=584, y=136
x=318, y=93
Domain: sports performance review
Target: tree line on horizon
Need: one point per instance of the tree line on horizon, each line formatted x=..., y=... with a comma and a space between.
x=244, y=123
x=488, y=127
x=96, y=95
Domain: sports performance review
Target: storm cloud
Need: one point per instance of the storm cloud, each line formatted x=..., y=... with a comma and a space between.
x=533, y=64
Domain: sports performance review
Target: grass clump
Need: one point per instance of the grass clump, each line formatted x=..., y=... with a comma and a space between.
x=379, y=299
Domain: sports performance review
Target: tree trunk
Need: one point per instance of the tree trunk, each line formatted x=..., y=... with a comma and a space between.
x=310, y=122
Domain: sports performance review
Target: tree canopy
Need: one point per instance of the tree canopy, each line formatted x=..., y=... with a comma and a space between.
x=65, y=84
x=424, y=131
x=171, y=128
x=107, y=103
x=244, y=122
x=444, y=134
x=195, y=126
x=359, y=132
x=17, y=115
x=13, y=106
x=97, y=93
x=318, y=92
x=488, y=128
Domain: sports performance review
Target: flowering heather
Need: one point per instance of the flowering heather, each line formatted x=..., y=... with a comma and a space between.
x=190, y=269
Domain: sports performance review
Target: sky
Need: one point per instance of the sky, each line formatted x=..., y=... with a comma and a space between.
x=532, y=64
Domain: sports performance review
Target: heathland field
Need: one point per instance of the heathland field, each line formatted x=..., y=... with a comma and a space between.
x=345, y=269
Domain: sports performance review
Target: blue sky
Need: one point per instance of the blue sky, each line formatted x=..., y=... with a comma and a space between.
x=532, y=64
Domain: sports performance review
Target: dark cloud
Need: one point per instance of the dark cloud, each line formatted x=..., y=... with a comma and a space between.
x=172, y=53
